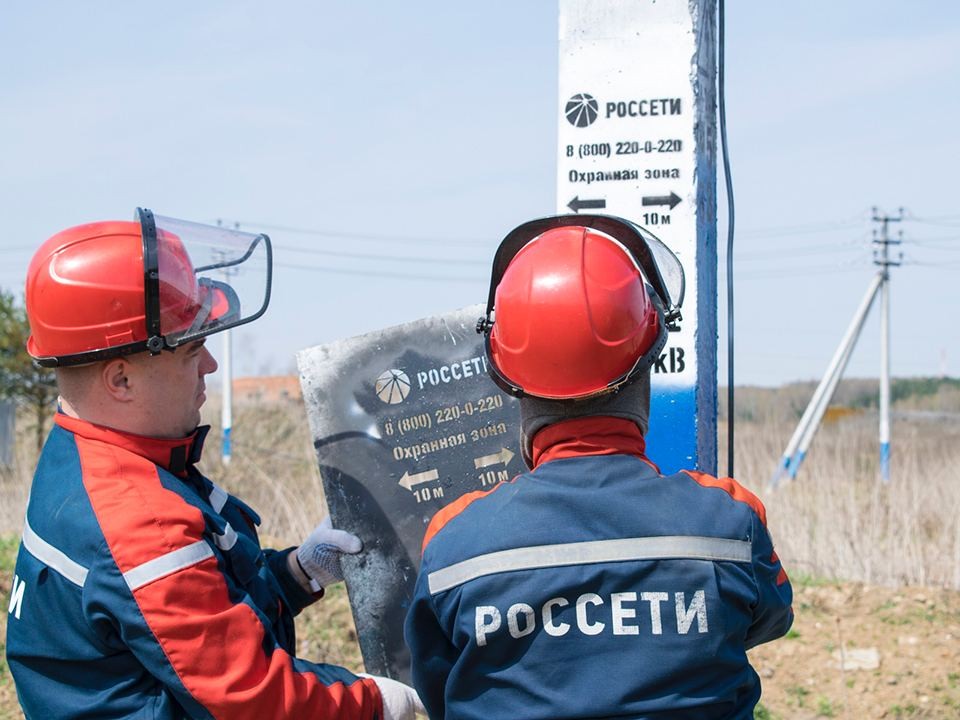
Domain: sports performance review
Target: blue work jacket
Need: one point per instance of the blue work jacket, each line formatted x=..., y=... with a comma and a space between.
x=595, y=587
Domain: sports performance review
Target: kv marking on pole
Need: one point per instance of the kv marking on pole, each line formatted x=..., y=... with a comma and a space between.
x=408, y=481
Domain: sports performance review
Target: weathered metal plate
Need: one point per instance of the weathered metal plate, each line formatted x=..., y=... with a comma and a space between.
x=404, y=420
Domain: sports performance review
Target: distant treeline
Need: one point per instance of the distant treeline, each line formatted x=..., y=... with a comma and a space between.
x=937, y=394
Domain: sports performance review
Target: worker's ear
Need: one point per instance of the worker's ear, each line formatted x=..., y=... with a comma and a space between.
x=115, y=377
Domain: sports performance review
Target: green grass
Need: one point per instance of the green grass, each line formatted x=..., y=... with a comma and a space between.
x=8, y=557
x=904, y=711
x=825, y=707
x=762, y=713
x=798, y=694
x=801, y=580
x=919, y=614
x=8, y=552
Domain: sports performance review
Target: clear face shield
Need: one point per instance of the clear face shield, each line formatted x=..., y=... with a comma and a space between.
x=200, y=279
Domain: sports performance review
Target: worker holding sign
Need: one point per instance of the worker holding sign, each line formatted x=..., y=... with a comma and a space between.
x=140, y=588
x=592, y=585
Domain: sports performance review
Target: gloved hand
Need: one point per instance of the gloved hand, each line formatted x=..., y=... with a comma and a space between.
x=319, y=555
x=400, y=702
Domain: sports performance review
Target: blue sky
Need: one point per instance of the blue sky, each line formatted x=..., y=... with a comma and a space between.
x=426, y=131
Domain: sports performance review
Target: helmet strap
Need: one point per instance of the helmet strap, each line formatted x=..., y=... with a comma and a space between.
x=151, y=280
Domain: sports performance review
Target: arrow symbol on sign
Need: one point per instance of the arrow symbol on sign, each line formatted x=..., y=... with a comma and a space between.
x=577, y=204
x=408, y=480
x=504, y=456
x=672, y=200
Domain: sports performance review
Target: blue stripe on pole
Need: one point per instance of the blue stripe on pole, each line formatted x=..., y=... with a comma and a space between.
x=778, y=474
x=672, y=437
x=885, y=461
x=796, y=463
x=226, y=448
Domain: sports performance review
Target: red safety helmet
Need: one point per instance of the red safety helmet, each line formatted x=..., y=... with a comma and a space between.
x=578, y=306
x=113, y=288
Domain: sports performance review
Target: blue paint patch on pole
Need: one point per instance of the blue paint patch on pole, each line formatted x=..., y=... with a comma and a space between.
x=705, y=134
x=227, y=448
x=669, y=449
x=637, y=138
x=885, y=462
x=795, y=464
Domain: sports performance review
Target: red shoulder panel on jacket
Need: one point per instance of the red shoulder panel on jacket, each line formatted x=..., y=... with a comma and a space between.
x=734, y=489
x=214, y=645
x=140, y=518
x=449, y=512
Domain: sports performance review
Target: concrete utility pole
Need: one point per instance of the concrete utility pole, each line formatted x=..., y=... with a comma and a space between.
x=637, y=137
x=882, y=258
x=800, y=441
x=226, y=383
x=226, y=410
x=807, y=427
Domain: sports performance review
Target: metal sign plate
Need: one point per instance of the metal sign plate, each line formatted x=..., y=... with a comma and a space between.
x=404, y=420
x=637, y=138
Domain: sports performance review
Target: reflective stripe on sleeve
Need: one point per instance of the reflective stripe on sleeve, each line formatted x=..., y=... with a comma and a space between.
x=218, y=498
x=166, y=564
x=228, y=539
x=51, y=557
x=667, y=547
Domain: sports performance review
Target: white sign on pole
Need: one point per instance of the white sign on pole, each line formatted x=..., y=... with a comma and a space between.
x=637, y=139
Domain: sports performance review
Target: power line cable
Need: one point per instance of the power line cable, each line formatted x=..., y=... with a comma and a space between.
x=812, y=250
x=936, y=265
x=375, y=273
x=851, y=266
x=785, y=230
x=941, y=220
x=420, y=259
x=938, y=224
x=935, y=243
x=376, y=256
x=367, y=237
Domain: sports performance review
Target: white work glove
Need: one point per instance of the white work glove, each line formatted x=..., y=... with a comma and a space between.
x=319, y=555
x=400, y=702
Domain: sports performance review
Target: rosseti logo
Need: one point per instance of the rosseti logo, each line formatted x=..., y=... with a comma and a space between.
x=581, y=110
x=392, y=386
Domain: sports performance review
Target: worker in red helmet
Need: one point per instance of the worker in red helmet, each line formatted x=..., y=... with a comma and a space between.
x=140, y=588
x=591, y=586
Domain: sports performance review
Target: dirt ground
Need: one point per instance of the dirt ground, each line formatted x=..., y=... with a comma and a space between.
x=857, y=651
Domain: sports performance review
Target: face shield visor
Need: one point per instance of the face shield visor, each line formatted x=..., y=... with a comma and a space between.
x=200, y=279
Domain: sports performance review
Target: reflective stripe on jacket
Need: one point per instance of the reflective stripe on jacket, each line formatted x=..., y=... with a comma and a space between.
x=595, y=587
x=142, y=592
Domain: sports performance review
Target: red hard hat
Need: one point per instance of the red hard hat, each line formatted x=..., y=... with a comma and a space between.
x=573, y=317
x=86, y=297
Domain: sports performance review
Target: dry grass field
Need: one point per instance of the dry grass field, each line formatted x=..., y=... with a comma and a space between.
x=876, y=568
